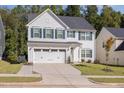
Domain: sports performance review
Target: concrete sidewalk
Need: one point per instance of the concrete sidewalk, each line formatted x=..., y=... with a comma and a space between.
x=26, y=69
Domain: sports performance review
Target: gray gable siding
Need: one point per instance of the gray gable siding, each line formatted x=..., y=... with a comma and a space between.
x=2, y=39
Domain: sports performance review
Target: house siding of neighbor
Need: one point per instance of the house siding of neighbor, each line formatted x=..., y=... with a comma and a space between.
x=116, y=53
x=2, y=38
x=59, y=39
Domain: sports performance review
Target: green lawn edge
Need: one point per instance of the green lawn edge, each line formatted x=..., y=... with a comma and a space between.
x=108, y=80
x=97, y=69
x=19, y=79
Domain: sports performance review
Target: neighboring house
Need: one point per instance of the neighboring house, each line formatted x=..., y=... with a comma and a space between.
x=2, y=38
x=59, y=39
x=116, y=53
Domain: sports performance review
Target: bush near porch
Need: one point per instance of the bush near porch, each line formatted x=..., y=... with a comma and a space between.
x=7, y=68
x=98, y=69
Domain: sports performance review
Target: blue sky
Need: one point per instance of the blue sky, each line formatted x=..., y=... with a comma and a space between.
x=115, y=7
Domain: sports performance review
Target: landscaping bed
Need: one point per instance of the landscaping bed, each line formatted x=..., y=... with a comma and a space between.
x=7, y=68
x=108, y=80
x=99, y=69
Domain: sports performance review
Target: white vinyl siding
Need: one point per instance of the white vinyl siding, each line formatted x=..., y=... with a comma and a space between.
x=0, y=35
x=71, y=34
x=48, y=33
x=1, y=50
x=85, y=35
x=86, y=53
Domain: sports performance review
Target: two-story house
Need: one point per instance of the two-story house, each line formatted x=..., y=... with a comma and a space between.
x=2, y=38
x=115, y=55
x=59, y=39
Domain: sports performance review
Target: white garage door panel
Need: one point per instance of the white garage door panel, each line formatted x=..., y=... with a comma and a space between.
x=49, y=57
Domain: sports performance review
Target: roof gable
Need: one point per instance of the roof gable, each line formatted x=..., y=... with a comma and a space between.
x=68, y=21
x=34, y=17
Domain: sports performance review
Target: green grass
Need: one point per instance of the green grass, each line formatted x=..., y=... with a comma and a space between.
x=6, y=68
x=19, y=79
x=108, y=80
x=96, y=69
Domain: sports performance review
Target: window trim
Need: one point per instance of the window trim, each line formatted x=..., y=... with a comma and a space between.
x=72, y=32
x=33, y=32
x=85, y=36
x=85, y=53
x=45, y=34
x=56, y=34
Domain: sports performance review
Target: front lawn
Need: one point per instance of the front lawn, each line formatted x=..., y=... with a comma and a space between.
x=6, y=68
x=108, y=80
x=97, y=69
x=19, y=79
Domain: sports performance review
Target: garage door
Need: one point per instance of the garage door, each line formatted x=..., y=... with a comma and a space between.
x=49, y=56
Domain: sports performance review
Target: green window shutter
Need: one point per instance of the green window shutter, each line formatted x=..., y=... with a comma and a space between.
x=44, y=33
x=79, y=35
x=56, y=34
x=52, y=34
x=31, y=32
x=63, y=34
x=40, y=33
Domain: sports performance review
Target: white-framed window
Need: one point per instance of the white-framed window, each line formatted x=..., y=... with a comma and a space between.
x=59, y=34
x=81, y=35
x=82, y=53
x=71, y=34
x=36, y=33
x=86, y=53
x=85, y=35
x=89, y=53
x=48, y=33
x=88, y=35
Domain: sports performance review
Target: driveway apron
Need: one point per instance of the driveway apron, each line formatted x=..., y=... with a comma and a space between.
x=61, y=74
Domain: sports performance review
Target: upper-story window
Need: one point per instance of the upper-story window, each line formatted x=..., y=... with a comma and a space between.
x=36, y=33
x=85, y=35
x=48, y=33
x=71, y=34
x=88, y=35
x=60, y=34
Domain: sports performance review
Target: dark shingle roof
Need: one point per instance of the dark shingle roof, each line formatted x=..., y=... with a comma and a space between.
x=72, y=22
x=120, y=47
x=76, y=22
x=118, y=32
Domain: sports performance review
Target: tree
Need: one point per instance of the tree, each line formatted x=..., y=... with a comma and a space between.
x=35, y=9
x=122, y=21
x=73, y=10
x=53, y=8
x=11, y=46
x=18, y=9
x=60, y=10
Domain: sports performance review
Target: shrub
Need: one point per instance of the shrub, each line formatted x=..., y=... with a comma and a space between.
x=82, y=60
x=96, y=61
x=12, y=58
x=88, y=61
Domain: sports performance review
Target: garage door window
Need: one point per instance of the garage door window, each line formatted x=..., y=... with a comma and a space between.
x=45, y=50
x=62, y=50
x=54, y=50
x=37, y=50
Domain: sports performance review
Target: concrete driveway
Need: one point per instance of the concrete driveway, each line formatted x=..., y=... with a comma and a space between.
x=61, y=75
